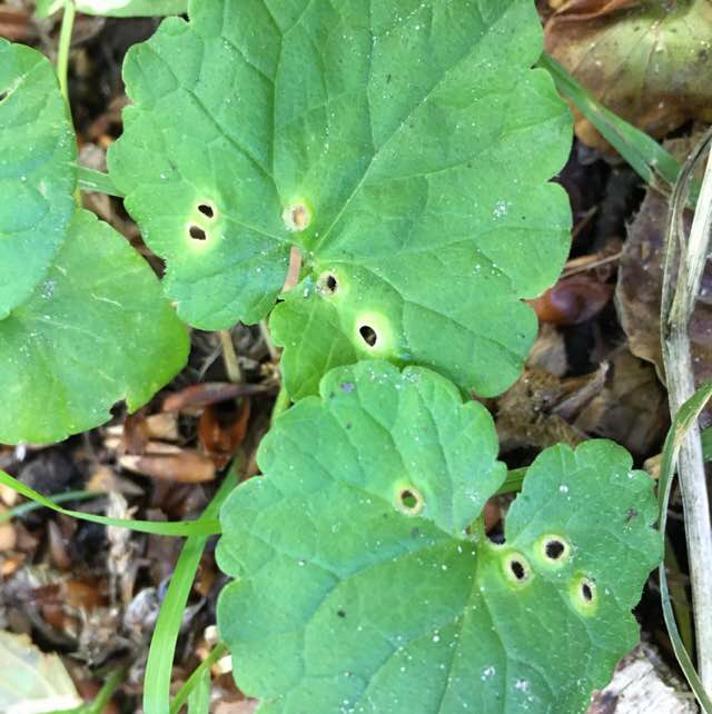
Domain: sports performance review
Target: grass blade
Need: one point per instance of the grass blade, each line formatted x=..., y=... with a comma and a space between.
x=707, y=443
x=193, y=681
x=159, y=667
x=201, y=527
x=30, y=506
x=97, y=181
x=199, y=697
x=647, y=158
x=684, y=420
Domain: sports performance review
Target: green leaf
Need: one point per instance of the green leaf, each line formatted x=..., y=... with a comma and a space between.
x=37, y=173
x=83, y=321
x=95, y=331
x=360, y=587
x=116, y=8
x=403, y=147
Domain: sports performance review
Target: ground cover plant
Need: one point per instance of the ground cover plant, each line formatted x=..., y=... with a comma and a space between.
x=371, y=184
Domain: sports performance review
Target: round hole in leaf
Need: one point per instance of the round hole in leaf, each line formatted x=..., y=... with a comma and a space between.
x=517, y=568
x=207, y=210
x=554, y=549
x=296, y=217
x=585, y=594
x=410, y=501
x=368, y=335
x=197, y=233
x=327, y=284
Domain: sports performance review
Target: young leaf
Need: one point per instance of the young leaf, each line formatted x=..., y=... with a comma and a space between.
x=360, y=587
x=37, y=173
x=404, y=148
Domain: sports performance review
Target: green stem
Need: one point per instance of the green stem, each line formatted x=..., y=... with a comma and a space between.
x=184, y=692
x=281, y=404
x=65, y=41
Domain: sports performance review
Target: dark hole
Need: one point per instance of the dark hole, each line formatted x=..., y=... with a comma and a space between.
x=518, y=570
x=554, y=549
x=341, y=613
x=206, y=210
x=409, y=499
x=197, y=233
x=331, y=283
x=369, y=335
x=586, y=592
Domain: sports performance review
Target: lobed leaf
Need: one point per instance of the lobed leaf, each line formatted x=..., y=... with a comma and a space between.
x=364, y=582
x=37, y=173
x=83, y=321
x=403, y=147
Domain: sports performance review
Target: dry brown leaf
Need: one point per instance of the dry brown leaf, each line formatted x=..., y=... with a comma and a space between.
x=194, y=398
x=648, y=61
x=8, y=536
x=221, y=431
x=183, y=466
x=527, y=416
x=16, y=24
x=640, y=285
x=631, y=408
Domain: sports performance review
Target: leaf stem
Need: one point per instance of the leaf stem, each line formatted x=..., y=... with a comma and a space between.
x=65, y=41
x=232, y=366
x=683, y=267
x=281, y=404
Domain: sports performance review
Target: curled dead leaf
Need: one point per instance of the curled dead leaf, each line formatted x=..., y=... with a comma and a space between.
x=180, y=465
